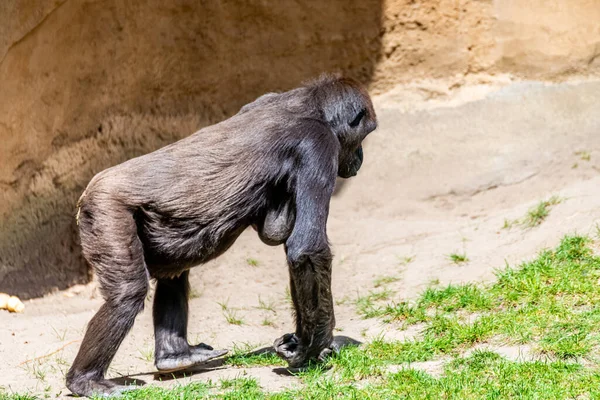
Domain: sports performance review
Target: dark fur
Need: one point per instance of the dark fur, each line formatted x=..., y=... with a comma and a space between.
x=271, y=166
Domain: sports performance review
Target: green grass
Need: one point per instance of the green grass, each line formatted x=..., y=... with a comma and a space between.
x=266, y=306
x=584, y=155
x=538, y=214
x=245, y=355
x=458, y=258
x=232, y=318
x=384, y=280
x=535, y=215
x=252, y=262
x=230, y=314
x=13, y=396
x=406, y=260
x=551, y=304
x=366, y=305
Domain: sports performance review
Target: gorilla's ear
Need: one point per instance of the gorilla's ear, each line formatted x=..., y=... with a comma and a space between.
x=354, y=123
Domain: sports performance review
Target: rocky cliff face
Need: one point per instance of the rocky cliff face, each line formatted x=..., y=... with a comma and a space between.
x=87, y=84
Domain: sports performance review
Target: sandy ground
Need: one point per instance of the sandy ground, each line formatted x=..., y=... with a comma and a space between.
x=441, y=175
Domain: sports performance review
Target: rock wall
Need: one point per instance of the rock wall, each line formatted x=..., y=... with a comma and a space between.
x=85, y=84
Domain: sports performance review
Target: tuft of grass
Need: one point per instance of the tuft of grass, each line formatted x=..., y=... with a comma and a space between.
x=16, y=396
x=39, y=371
x=508, y=224
x=406, y=260
x=266, y=306
x=458, y=258
x=584, y=155
x=224, y=305
x=194, y=390
x=267, y=322
x=367, y=305
x=384, y=280
x=241, y=388
x=452, y=298
x=232, y=318
x=536, y=215
x=252, y=262
x=146, y=354
x=60, y=335
x=194, y=293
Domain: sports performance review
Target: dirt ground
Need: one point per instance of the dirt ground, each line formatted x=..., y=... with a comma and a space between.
x=442, y=173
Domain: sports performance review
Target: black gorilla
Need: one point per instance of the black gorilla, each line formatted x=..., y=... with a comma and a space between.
x=272, y=166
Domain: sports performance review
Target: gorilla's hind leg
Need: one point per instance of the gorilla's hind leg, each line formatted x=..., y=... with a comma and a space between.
x=172, y=350
x=111, y=245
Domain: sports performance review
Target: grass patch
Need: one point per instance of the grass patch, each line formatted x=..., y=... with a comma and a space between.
x=195, y=390
x=368, y=305
x=551, y=303
x=14, y=396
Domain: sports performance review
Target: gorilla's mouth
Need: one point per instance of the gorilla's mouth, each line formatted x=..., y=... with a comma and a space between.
x=353, y=165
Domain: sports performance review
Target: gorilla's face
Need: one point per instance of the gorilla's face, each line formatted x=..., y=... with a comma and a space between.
x=351, y=153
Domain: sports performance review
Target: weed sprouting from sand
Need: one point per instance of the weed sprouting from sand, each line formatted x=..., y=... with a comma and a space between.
x=584, y=155
x=384, y=280
x=405, y=260
x=60, y=335
x=458, y=258
x=508, y=223
x=230, y=314
x=252, y=262
x=232, y=317
x=535, y=215
x=223, y=304
x=266, y=306
x=195, y=293
x=146, y=353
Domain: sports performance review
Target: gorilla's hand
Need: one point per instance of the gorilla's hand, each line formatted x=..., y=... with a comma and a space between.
x=290, y=348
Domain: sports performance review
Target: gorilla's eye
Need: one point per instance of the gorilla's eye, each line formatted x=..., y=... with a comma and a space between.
x=354, y=123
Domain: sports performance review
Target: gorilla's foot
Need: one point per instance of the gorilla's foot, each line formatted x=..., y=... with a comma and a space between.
x=99, y=388
x=195, y=355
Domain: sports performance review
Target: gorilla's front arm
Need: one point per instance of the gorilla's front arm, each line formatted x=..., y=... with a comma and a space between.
x=309, y=260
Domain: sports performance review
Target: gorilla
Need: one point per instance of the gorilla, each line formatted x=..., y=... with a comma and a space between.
x=272, y=166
